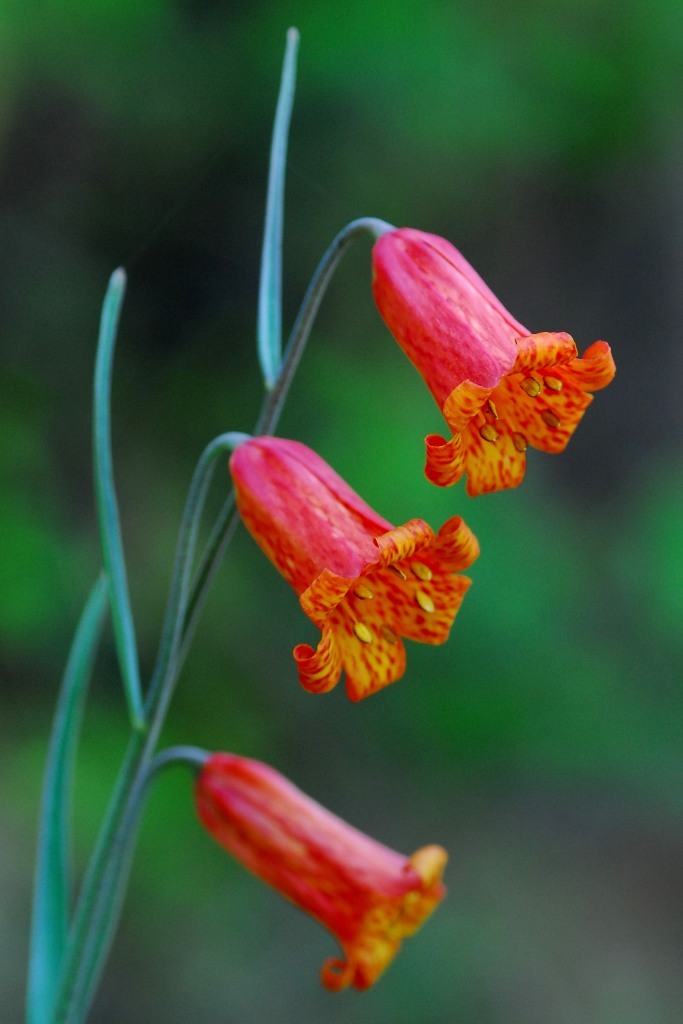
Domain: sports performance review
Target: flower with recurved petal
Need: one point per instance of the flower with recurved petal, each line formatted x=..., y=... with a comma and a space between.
x=500, y=388
x=367, y=895
x=363, y=582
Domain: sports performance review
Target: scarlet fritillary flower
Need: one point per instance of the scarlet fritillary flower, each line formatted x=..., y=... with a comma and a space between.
x=499, y=387
x=367, y=895
x=362, y=581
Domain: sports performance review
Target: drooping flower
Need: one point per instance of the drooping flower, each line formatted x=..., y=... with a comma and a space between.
x=499, y=387
x=363, y=582
x=367, y=895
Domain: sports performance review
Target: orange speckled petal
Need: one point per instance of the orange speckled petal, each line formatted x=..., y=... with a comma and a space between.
x=320, y=669
x=404, y=604
x=324, y=594
x=386, y=924
x=445, y=462
x=463, y=403
x=492, y=466
x=403, y=541
x=369, y=666
x=564, y=408
x=543, y=350
x=455, y=547
x=553, y=417
x=596, y=369
x=548, y=420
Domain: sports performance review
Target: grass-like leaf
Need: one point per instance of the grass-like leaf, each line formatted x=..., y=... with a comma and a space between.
x=107, y=507
x=51, y=891
x=269, y=327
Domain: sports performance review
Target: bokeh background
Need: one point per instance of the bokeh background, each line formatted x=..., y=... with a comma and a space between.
x=543, y=745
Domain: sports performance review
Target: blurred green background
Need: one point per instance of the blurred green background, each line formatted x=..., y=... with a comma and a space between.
x=543, y=745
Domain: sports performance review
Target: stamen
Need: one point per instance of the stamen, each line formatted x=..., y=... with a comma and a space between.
x=488, y=433
x=389, y=635
x=530, y=386
x=492, y=409
x=550, y=418
x=399, y=572
x=520, y=442
x=363, y=592
x=362, y=632
x=422, y=571
x=554, y=383
x=424, y=600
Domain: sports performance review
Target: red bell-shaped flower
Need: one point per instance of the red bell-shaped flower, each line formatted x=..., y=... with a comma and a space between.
x=363, y=582
x=499, y=387
x=368, y=896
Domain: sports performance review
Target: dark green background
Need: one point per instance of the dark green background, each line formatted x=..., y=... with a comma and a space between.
x=543, y=745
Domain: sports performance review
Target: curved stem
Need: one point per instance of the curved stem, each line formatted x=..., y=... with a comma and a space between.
x=272, y=407
x=187, y=541
x=195, y=756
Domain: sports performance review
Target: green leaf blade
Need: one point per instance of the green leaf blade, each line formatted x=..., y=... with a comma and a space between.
x=107, y=506
x=269, y=327
x=51, y=892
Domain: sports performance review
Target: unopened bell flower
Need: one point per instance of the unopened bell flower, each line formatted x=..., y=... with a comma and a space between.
x=499, y=387
x=367, y=895
x=363, y=582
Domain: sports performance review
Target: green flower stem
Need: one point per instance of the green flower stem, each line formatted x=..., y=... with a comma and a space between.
x=301, y=330
x=194, y=756
x=185, y=551
x=107, y=507
x=269, y=324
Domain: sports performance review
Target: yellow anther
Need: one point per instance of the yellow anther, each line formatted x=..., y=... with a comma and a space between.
x=492, y=409
x=363, y=592
x=488, y=433
x=389, y=635
x=362, y=632
x=554, y=383
x=530, y=386
x=424, y=600
x=399, y=572
x=520, y=442
x=422, y=571
x=550, y=418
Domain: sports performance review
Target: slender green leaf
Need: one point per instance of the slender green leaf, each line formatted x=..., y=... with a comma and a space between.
x=51, y=890
x=108, y=513
x=269, y=328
